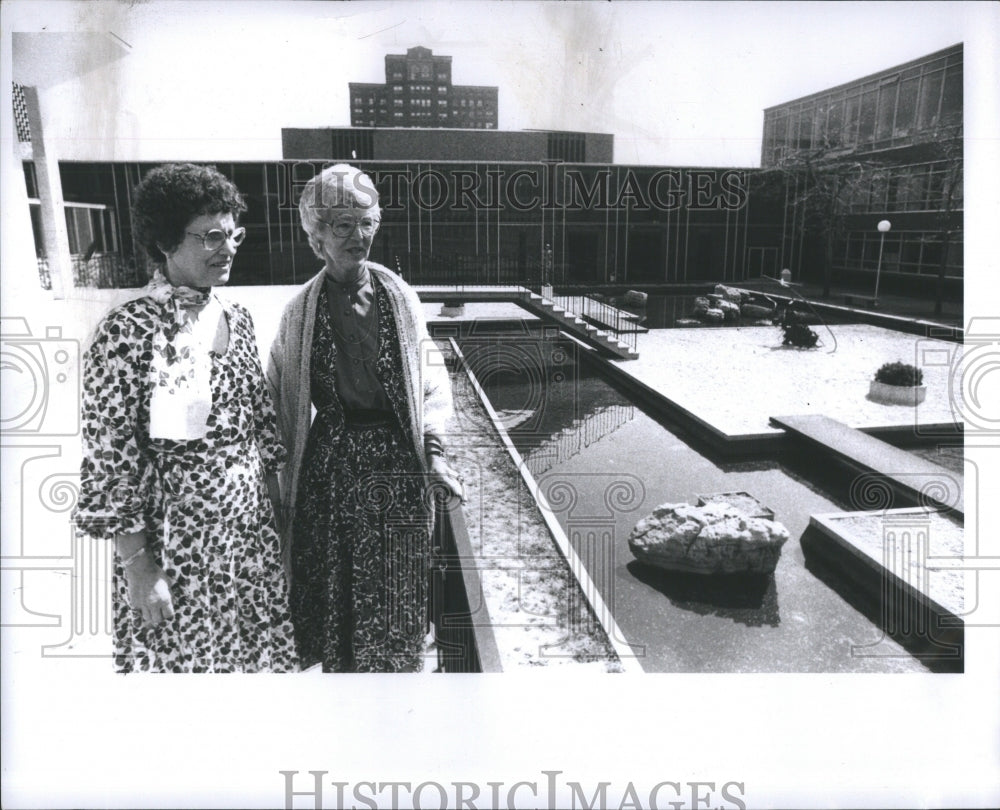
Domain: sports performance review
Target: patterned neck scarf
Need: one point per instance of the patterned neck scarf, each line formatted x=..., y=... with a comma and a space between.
x=181, y=367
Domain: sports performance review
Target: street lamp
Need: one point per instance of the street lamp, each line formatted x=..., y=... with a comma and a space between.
x=883, y=228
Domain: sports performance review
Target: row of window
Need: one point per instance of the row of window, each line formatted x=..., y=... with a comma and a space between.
x=934, y=186
x=912, y=252
x=874, y=113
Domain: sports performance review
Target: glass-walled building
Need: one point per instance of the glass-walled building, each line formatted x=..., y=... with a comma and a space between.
x=459, y=222
x=901, y=129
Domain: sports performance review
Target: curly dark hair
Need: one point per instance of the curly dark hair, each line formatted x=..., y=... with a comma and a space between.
x=170, y=196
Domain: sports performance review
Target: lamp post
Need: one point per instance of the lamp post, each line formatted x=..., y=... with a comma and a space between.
x=883, y=228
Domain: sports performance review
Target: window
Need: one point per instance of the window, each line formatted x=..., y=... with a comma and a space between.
x=930, y=100
x=886, y=108
x=906, y=107
x=852, y=113
x=866, y=121
x=90, y=229
x=951, y=97
x=835, y=123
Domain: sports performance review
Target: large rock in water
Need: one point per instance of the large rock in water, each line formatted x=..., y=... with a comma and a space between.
x=716, y=538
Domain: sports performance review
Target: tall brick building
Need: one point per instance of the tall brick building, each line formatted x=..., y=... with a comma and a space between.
x=418, y=92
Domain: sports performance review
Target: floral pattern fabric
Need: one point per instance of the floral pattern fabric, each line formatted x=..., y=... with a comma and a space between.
x=361, y=537
x=202, y=502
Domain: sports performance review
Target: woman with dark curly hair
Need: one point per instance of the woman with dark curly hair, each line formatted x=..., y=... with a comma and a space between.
x=180, y=449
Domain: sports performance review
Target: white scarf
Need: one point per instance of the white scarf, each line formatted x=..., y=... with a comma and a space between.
x=181, y=368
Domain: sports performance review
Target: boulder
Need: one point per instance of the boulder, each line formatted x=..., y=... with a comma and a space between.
x=712, y=315
x=730, y=293
x=716, y=538
x=701, y=304
x=730, y=311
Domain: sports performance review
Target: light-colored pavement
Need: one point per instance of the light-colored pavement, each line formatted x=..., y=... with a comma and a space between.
x=736, y=378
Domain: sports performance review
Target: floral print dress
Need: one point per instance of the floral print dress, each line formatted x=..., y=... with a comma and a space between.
x=361, y=536
x=202, y=502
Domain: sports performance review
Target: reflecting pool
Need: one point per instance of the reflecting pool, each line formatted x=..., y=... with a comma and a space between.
x=602, y=463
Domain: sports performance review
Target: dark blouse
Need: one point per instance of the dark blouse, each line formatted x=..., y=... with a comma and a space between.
x=354, y=318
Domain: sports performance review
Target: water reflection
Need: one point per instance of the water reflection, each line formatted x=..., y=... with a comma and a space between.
x=545, y=398
x=602, y=463
x=748, y=599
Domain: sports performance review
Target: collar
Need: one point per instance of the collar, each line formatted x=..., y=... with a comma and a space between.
x=363, y=278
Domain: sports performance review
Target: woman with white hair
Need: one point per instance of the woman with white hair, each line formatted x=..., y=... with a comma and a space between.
x=362, y=395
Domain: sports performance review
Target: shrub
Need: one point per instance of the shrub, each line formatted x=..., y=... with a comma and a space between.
x=899, y=374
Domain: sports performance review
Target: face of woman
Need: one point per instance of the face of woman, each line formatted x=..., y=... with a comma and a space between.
x=191, y=264
x=346, y=255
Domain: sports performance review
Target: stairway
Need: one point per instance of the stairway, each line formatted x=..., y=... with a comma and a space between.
x=601, y=339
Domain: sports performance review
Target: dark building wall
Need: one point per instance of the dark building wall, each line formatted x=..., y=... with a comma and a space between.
x=306, y=143
x=413, y=143
x=478, y=222
x=600, y=148
x=457, y=144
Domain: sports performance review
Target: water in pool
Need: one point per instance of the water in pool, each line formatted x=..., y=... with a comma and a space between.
x=603, y=463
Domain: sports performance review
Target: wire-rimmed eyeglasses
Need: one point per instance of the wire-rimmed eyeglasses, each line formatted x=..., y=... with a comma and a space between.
x=342, y=227
x=215, y=238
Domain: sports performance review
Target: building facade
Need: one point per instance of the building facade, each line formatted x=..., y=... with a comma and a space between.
x=479, y=207
x=891, y=143
x=362, y=143
x=418, y=92
x=454, y=222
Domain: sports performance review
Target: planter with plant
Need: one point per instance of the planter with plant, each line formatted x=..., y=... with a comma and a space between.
x=898, y=384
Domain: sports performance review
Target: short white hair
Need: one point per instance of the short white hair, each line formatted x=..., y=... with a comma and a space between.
x=336, y=187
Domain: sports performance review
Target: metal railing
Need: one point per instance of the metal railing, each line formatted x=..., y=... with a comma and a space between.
x=105, y=271
x=619, y=323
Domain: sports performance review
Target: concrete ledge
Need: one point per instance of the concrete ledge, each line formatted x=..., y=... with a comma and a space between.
x=916, y=479
x=899, y=561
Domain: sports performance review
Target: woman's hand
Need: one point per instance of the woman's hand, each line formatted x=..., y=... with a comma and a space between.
x=442, y=475
x=148, y=589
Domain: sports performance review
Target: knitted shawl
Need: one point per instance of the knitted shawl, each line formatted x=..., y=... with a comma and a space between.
x=427, y=384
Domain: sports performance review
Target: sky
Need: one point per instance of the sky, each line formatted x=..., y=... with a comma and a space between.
x=676, y=83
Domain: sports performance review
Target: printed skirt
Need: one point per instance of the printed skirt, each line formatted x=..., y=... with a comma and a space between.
x=361, y=548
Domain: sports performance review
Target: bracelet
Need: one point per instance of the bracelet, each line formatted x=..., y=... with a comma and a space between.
x=133, y=557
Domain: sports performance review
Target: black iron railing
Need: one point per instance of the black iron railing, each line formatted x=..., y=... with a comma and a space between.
x=619, y=323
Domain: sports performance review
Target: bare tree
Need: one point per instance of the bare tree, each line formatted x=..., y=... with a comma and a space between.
x=822, y=189
x=944, y=145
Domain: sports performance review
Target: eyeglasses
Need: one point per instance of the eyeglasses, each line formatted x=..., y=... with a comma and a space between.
x=214, y=239
x=344, y=227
